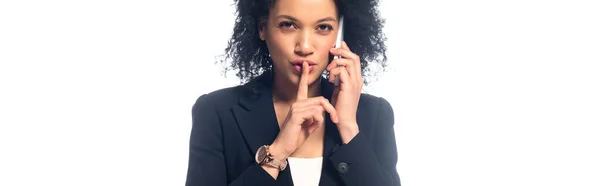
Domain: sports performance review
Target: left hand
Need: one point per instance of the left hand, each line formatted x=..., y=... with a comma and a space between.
x=346, y=96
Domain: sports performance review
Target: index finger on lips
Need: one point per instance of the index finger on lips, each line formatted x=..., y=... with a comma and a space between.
x=303, y=84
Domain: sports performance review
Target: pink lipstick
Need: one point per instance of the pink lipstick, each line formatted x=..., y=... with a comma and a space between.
x=298, y=64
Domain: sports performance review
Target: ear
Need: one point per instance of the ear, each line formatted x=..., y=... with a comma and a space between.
x=261, y=32
x=261, y=28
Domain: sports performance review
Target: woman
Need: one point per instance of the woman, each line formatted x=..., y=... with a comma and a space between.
x=289, y=125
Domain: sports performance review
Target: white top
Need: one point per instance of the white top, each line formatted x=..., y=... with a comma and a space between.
x=305, y=171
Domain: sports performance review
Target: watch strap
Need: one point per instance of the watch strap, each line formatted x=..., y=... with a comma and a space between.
x=274, y=162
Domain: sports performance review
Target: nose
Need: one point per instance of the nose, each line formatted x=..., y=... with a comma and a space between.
x=304, y=45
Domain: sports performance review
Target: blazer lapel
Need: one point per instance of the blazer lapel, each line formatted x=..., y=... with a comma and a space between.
x=255, y=115
x=256, y=118
x=331, y=141
x=332, y=136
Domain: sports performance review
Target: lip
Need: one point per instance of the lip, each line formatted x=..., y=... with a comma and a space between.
x=300, y=61
x=297, y=64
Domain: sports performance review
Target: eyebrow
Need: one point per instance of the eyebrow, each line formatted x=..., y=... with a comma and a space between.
x=296, y=20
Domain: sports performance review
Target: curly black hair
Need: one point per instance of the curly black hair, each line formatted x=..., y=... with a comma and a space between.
x=249, y=56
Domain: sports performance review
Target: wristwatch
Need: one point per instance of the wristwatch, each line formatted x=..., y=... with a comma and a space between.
x=264, y=157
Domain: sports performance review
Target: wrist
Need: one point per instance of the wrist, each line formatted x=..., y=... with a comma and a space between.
x=277, y=151
x=348, y=132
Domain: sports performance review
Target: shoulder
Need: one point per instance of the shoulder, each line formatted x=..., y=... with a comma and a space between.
x=226, y=97
x=219, y=98
x=373, y=104
x=374, y=114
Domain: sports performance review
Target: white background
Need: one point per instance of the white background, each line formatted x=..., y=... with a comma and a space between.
x=484, y=92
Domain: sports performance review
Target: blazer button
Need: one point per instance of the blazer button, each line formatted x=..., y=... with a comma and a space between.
x=342, y=167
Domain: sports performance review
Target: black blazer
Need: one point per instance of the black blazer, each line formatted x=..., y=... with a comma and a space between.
x=230, y=124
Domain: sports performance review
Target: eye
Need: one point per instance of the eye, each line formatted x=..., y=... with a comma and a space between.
x=286, y=24
x=324, y=27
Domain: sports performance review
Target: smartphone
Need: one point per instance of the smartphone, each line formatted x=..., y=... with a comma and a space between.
x=338, y=44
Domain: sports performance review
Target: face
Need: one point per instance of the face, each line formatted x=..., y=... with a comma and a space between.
x=298, y=31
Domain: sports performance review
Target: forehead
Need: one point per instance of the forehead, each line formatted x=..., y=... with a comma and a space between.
x=305, y=9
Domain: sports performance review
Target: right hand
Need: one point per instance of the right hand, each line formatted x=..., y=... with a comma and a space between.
x=303, y=118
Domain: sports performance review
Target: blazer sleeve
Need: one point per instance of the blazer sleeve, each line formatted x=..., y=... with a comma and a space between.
x=370, y=162
x=206, y=164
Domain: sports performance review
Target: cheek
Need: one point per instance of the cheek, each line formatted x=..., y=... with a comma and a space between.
x=324, y=54
x=276, y=54
x=279, y=46
x=326, y=43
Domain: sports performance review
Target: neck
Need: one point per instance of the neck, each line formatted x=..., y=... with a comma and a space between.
x=286, y=92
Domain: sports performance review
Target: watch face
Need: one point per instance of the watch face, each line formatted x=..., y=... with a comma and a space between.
x=261, y=154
